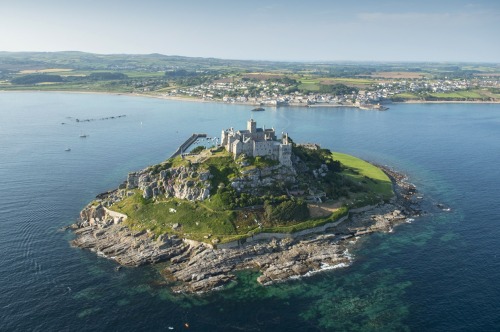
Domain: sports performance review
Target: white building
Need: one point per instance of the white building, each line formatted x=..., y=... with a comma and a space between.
x=257, y=142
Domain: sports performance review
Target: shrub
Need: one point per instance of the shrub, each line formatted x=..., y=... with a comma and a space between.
x=198, y=149
x=290, y=210
x=36, y=78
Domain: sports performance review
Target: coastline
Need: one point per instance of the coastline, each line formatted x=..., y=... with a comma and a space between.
x=446, y=102
x=196, y=267
x=201, y=100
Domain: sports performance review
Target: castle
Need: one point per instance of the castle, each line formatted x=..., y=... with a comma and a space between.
x=256, y=142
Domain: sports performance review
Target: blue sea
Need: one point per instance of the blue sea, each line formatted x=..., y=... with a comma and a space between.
x=439, y=273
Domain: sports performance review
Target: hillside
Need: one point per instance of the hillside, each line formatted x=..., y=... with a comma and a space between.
x=254, y=82
x=209, y=214
x=211, y=197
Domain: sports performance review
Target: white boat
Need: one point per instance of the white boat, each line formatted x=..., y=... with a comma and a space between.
x=67, y=149
x=83, y=135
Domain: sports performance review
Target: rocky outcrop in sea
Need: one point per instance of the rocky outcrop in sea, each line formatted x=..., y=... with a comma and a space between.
x=200, y=267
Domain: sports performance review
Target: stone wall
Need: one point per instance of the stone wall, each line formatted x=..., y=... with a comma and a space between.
x=270, y=236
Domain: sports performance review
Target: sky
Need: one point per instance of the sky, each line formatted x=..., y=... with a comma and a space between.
x=310, y=30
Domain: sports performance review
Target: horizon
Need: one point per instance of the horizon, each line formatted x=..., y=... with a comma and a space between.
x=264, y=60
x=279, y=31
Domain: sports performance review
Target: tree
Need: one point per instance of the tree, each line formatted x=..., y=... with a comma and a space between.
x=36, y=78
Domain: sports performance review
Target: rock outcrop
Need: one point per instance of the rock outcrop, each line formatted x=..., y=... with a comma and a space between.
x=193, y=184
x=277, y=260
x=110, y=238
x=183, y=182
x=199, y=267
x=254, y=180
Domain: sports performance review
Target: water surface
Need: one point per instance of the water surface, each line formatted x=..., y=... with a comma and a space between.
x=438, y=273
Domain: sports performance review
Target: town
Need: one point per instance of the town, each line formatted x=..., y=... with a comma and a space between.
x=271, y=92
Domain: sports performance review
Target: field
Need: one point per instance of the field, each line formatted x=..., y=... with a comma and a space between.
x=398, y=75
x=194, y=219
x=407, y=95
x=313, y=84
x=103, y=86
x=459, y=95
x=45, y=71
x=463, y=95
x=264, y=76
x=368, y=174
x=488, y=74
x=198, y=221
x=76, y=80
x=357, y=82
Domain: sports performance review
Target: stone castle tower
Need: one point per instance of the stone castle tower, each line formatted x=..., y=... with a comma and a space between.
x=256, y=142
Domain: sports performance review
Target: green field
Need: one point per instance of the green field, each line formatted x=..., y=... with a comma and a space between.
x=194, y=218
x=372, y=176
x=459, y=95
x=347, y=81
x=103, y=86
x=197, y=220
x=448, y=96
x=407, y=95
x=310, y=86
x=313, y=84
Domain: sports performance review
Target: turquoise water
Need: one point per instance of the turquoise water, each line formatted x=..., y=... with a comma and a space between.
x=438, y=273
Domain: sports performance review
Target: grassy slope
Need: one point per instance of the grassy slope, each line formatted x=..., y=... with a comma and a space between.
x=312, y=84
x=450, y=96
x=360, y=170
x=195, y=219
x=459, y=95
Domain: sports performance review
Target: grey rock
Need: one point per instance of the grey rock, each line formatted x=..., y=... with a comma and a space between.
x=147, y=192
x=132, y=180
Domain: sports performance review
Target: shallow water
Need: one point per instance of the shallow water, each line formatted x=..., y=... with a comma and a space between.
x=439, y=272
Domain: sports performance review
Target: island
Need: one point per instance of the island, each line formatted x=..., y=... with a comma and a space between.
x=257, y=200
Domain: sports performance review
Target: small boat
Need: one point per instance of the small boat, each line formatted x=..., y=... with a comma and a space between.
x=67, y=149
x=83, y=135
x=258, y=109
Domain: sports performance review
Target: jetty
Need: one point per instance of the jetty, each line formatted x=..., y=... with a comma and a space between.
x=187, y=144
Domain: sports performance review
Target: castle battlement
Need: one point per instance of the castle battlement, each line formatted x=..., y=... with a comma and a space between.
x=257, y=142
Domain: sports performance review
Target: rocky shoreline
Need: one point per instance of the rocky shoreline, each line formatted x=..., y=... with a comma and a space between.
x=196, y=267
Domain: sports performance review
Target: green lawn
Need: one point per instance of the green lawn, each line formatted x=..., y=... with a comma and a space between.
x=308, y=85
x=370, y=175
x=311, y=223
x=450, y=96
x=346, y=81
x=137, y=74
x=195, y=219
x=406, y=95
x=101, y=86
x=458, y=95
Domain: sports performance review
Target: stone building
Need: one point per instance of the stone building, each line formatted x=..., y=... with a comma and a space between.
x=257, y=142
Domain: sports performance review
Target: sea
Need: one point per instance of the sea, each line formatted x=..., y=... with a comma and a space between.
x=438, y=272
